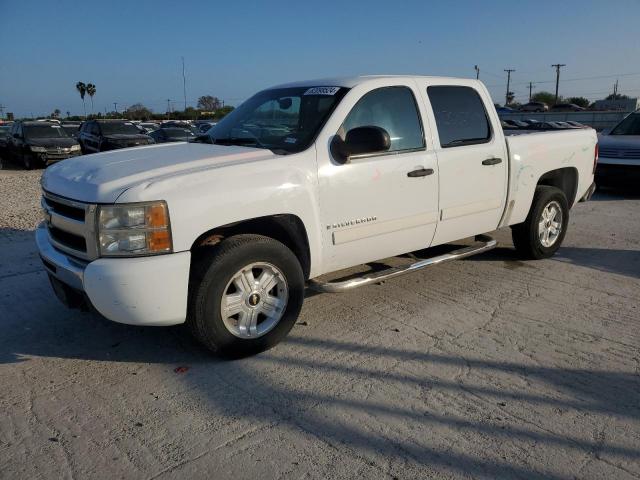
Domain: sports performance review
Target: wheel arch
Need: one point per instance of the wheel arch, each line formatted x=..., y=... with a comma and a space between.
x=565, y=179
x=288, y=229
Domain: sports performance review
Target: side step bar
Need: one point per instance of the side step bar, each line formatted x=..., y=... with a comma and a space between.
x=483, y=244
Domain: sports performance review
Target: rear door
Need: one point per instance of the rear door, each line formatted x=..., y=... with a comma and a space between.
x=472, y=159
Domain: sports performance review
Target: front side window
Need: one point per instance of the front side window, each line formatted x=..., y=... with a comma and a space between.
x=284, y=120
x=460, y=116
x=391, y=108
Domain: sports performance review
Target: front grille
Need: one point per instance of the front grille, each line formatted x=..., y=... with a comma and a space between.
x=630, y=153
x=71, y=240
x=71, y=225
x=64, y=209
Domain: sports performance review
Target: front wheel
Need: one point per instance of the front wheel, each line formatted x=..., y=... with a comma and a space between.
x=542, y=232
x=245, y=294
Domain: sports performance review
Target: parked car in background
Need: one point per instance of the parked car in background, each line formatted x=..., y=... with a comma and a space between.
x=204, y=125
x=148, y=127
x=5, y=136
x=180, y=124
x=546, y=126
x=40, y=143
x=102, y=135
x=566, y=107
x=516, y=123
x=170, y=134
x=534, y=107
x=72, y=128
x=620, y=152
x=505, y=110
x=576, y=124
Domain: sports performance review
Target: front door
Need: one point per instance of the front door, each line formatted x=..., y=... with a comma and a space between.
x=379, y=205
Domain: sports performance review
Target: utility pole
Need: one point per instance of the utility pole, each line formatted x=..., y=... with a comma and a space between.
x=477, y=69
x=530, y=89
x=506, y=97
x=168, y=108
x=184, y=85
x=115, y=107
x=615, y=91
x=557, y=66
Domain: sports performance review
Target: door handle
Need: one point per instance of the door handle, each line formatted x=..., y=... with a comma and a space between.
x=492, y=161
x=421, y=172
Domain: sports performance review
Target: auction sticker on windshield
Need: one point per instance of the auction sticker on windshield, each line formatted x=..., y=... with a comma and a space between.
x=322, y=91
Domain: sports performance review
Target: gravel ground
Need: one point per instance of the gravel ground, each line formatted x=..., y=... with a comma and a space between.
x=20, y=199
x=490, y=367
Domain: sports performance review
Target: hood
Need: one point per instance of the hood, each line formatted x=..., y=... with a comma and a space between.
x=619, y=142
x=102, y=177
x=51, y=142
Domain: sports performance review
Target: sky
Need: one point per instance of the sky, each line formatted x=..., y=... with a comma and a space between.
x=131, y=50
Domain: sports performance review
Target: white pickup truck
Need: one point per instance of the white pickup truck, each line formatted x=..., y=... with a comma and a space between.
x=299, y=181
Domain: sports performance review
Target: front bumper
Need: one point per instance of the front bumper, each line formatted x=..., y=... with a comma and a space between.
x=50, y=157
x=136, y=291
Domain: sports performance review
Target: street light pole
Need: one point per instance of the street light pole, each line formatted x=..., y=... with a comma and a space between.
x=477, y=69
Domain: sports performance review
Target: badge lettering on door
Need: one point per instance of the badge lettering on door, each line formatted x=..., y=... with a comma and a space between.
x=349, y=223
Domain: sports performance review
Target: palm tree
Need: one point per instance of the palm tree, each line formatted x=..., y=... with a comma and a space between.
x=91, y=90
x=82, y=89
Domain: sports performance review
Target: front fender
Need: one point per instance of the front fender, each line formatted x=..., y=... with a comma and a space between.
x=203, y=200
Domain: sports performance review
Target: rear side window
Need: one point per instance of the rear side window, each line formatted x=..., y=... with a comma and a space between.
x=391, y=108
x=460, y=116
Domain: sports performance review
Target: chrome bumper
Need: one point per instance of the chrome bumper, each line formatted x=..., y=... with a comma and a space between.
x=68, y=270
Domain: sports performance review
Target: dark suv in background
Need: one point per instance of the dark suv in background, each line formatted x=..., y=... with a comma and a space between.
x=40, y=143
x=102, y=135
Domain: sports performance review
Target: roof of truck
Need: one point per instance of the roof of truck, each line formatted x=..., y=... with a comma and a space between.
x=350, y=82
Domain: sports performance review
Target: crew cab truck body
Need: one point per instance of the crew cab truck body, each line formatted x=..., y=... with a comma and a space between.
x=301, y=180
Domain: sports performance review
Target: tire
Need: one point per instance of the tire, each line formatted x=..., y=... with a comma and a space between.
x=27, y=161
x=529, y=236
x=214, y=275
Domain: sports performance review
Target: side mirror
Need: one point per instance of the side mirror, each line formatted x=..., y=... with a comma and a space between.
x=360, y=141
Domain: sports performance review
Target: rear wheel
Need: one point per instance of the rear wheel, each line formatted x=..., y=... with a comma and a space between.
x=245, y=295
x=542, y=232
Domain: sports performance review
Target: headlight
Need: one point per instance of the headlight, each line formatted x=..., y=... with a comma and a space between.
x=134, y=229
x=75, y=148
x=38, y=149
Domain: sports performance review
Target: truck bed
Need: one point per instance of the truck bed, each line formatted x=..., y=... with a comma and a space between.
x=534, y=153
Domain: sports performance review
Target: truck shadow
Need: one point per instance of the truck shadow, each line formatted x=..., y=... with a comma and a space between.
x=266, y=389
x=402, y=418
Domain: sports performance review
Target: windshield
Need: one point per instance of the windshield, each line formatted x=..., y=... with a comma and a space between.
x=114, y=128
x=44, y=131
x=628, y=126
x=70, y=129
x=285, y=120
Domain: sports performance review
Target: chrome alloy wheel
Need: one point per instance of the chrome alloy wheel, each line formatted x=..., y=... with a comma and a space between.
x=254, y=300
x=550, y=224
